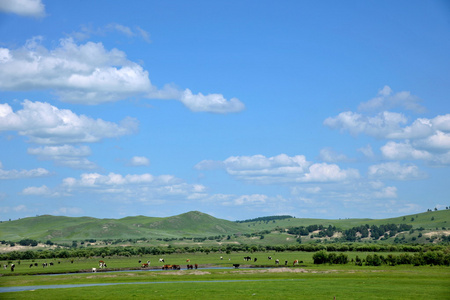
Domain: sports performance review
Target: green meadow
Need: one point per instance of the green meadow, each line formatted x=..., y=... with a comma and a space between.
x=217, y=279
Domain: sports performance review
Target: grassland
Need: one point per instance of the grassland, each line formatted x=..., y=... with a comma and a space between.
x=306, y=281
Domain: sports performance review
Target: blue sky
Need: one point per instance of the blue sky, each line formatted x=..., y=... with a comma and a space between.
x=238, y=109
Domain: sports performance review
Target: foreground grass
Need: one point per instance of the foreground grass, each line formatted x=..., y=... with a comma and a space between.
x=304, y=282
x=292, y=283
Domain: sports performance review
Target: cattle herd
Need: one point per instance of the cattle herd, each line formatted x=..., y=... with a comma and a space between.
x=145, y=265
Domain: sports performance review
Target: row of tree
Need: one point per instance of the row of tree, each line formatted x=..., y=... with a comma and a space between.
x=434, y=258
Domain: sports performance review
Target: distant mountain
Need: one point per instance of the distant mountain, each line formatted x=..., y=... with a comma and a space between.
x=190, y=224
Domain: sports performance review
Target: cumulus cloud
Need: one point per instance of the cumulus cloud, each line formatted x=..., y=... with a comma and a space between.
x=20, y=174
x=215, y=103
x=387, y=99
x=66, y=155
x=139, y=161
x=47, y=124
x=27, y=8
x=394, y=170
x=281, y=169
x=422, y=139
x=86, y=73
x=90, y=74
x=37, y=191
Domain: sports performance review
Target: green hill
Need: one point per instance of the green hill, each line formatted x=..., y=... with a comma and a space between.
x=191, y=224
x=57, y=228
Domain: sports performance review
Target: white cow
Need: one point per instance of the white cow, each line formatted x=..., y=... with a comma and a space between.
x=94, y=270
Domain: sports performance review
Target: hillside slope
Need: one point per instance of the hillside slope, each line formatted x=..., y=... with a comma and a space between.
x=190, y=224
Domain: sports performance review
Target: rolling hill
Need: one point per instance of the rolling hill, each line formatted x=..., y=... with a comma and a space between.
x=190, y=224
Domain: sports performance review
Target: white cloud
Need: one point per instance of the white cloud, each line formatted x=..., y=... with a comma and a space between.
x=139, y=161
x=66, y=155
x=132, y=187
x=28, y=8
x=387, y=192
x=281, y=169
x=87, y=73
x=47, y=124
x=37, y=191
x=329, y=155
x=215, y=103
x=247, y=200
x=20, y=174
x=395, y=170
x=403, y=151
x=380, y=126
x=386, y=100
x=90, y=74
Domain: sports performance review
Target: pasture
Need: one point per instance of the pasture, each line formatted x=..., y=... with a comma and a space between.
x=307, y=281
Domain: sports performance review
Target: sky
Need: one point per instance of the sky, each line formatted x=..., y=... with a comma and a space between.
x=238, y=109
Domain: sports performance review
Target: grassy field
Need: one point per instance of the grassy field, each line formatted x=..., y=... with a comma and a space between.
x=306, y=281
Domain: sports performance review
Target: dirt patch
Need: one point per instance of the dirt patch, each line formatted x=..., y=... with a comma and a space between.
x=433, y=233
x=179, y=273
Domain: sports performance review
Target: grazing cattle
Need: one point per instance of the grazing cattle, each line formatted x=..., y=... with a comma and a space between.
x=269, y=258
x=188, y=260
x=247, y=258
x=176, y=267
x=285, y=262
x=94, y=270
x=13, y=266
x=35, y=264
x=31, y=265
x=277, y=261
x=144, y=266
x=51, y=264
x=295, y=262
x=190, y=267
x=236, y=266
x=255, y=259
x=221, y=258
x=5, y=266
x=139, y=261
x=102, y=264
x=59, y=262
x=167, y=267
x=44, y=265
x=196, y=266
x=161, y=260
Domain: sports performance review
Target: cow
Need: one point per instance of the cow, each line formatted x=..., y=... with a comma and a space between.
x=13, y=266
x=35, y=264
x=161, y=260
x=269, y=258
x=188, y=260
x=44, y=265
x=247, y=258
x=221, y=258
x=255, y=259
x=196, y=266
x=51, y=264
x=167, y=267
x=102, y=264
x=190, y=267
x=277, y=261
x=94, y=270
x=295, y=262
x=176, y=267
x=236, y=266
x=5, y=266
x=144, y=265
x=139, y=261
x=31, y=265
